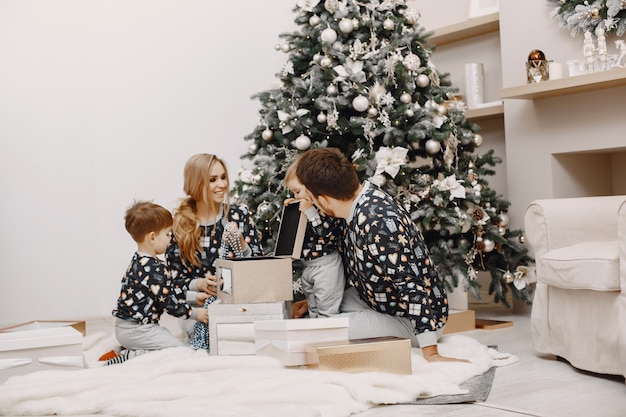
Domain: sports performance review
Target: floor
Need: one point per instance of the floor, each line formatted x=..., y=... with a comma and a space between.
x=538, y=385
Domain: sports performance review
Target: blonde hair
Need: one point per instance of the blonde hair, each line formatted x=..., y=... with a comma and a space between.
x=291, y=172
x=186, y=228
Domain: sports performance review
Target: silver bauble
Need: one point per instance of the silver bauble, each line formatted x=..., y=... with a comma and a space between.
x=422, y=80
x=502, y=230
x=360, y=103
x=267, y=135
x=379, y=179
x=405, y=98
x=321, y=118
x=314, y=20
x=478, y=140
x=489, y=245
x=326, y=62
x=504, y=219
x=331, y=90
x=508, y=277
x=432, y=146
x=253, y=148
x=346, y=25
x=302, y=142
x=328, y=36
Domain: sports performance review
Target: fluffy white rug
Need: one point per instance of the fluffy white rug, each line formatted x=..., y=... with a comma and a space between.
x=190, y=383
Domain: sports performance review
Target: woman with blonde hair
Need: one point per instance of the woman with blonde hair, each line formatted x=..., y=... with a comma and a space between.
x=206, y=227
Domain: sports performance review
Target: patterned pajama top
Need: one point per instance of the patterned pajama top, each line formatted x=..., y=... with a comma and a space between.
x=147, y=292
x=388, y=263
x=323, y=234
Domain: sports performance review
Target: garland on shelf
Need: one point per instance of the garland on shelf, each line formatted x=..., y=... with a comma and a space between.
x=585, y=15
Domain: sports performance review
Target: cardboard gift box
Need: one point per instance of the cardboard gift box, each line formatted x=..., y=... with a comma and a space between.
x=460, y=321
x=26, y=351
x=265, y=278
x=377, y=354
x=224, y=317
x=286, y=340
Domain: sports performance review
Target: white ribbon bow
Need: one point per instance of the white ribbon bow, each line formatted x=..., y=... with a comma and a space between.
x=390, y=159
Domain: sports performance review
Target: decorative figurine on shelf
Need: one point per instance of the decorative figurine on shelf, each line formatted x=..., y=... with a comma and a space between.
x=537, y=67
x=601, y=50
x=588, y=52
x=621, y=47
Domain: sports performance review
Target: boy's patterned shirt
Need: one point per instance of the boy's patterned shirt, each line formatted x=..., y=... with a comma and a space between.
x=323, y=236
x=388, y=263
x=147, y=292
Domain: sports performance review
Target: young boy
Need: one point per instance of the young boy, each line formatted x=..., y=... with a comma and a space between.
x=147, y=291
x=323, y=278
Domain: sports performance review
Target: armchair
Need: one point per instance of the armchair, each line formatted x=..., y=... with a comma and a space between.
x=579, y=306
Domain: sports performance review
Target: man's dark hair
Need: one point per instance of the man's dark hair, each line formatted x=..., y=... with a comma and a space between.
x=328, y=172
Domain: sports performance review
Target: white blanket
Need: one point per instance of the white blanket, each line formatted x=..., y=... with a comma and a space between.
x=183, y=382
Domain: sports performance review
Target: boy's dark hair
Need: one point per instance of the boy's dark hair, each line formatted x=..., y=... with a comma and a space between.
x=144, y=217
x=328, y=172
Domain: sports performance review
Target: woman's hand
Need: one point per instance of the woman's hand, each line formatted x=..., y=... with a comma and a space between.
x=208, y=285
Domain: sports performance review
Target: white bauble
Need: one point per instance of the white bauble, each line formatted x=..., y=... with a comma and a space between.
x=379, y=179
x=346, y=25
x=285, y=47
x=372, y=112
x=388, y=24
x=321, y=118
x=267, y=135
x=432, y=146
x=412, y=62
x=508, y=277
x=502, y=230
x=314, y=20
x=504, y=219
x=331, y=90
x=253, y=148
x=328, y=36
x=326, y=62
x=478, y=140
x=422, y=80
x=409, y=112
x=412, y=15
x=360, y=103
x=405, y=98
x=442, y=110
x=489, y=245
x=302, y=142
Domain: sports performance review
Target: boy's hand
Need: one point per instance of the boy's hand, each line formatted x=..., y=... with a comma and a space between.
x=290, y=200
x=305, y=204
x=202, y=315
x=300, y=308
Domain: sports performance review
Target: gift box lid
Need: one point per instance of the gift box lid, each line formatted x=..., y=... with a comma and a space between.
x=32, y=339
x=301, y=324
x=355, y=345
x=291, y=232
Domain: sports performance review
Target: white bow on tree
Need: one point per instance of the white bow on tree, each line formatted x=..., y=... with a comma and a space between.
x=390, y=159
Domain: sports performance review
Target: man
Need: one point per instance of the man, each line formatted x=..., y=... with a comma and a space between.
x=386, y=260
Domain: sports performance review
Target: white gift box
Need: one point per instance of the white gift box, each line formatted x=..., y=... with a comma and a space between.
x=26, y=351
x=286, y=340
x=267, y=278
x=231, y=325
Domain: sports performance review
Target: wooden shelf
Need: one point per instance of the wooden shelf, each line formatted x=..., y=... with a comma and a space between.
x=485, y=112
x=570, y=85
x=470, y=28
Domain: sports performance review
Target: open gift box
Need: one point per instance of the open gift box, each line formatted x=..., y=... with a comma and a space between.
x=265, y=278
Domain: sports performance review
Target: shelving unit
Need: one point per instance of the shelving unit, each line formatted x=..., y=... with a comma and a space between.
x=570, y=85
x=468, y=29
x=485, y=112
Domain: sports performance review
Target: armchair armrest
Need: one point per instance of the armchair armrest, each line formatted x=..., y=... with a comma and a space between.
x=555, y=223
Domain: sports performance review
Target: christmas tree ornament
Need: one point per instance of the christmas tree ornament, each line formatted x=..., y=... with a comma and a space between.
x=478, y=140
x=285, y=47
x=321, y=117
x=537, y=67
x=422, y=80
x=409, y=112
x=442, y=110
x=412, y=62
x=432, y=147
x=253, y=149
x=328, y=36
x=372, y=112
x=302, y=142
x=331, y=89
x=489, y=245
x=326, y=62
x=502, y=230
x=412, y=15
x=522, y=239
x=378, y=179
x=508, y=277
x=314, y=20
x=332, y=6
x=360, y=103
x=504, y=219
x=388, y=24
x=267, y=135
x=346, y=25
x=405, y=98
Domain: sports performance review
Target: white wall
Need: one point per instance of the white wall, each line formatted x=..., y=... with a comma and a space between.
x=102, y=102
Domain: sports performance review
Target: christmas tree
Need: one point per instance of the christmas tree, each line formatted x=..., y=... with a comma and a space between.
x=359, y=77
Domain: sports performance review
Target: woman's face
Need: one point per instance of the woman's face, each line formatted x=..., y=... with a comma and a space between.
x=218, y=183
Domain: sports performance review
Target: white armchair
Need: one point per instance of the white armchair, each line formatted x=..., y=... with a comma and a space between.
x=579, y=305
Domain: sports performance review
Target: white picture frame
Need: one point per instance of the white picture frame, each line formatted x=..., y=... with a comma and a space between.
x=479, y=8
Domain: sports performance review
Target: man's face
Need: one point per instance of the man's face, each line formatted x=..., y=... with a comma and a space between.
x=324, y=204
